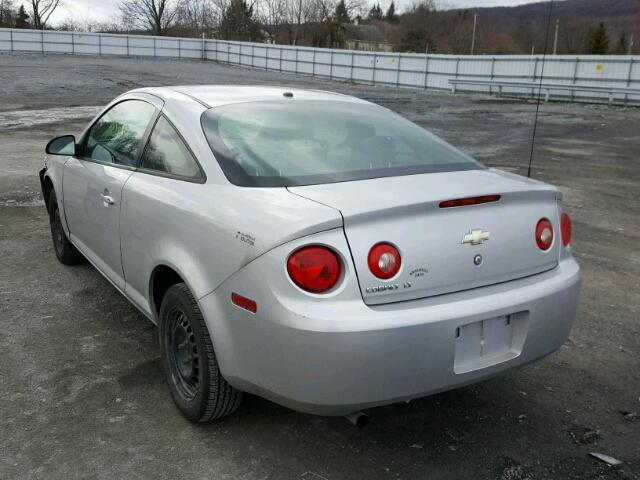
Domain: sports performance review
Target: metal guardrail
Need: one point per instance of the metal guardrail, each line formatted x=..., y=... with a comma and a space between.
x=433, y=71
x=548, y=88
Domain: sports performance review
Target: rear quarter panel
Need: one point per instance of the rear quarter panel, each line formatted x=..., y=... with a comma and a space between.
x=206, y=232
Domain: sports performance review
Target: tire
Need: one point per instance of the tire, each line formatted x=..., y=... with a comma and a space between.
x=196, y=384
x=66, y=253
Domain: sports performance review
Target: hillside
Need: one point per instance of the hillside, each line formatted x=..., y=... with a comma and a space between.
x=618, y=14
x=585, y=27
x=526, y=23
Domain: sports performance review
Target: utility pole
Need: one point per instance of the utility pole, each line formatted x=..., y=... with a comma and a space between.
x=630, y=44
x=555, y=39
x=426, y=50
x=533, y=49
x=473, y=37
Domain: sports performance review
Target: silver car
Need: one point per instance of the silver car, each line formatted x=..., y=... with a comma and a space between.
x=309, y=247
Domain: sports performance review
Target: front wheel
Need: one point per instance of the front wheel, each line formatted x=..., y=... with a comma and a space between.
x=66, y=253
x=196, y=384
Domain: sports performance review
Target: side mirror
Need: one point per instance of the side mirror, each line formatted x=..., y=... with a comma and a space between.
x=65, y=145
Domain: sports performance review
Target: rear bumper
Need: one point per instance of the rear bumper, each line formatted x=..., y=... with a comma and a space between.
x=363, y=356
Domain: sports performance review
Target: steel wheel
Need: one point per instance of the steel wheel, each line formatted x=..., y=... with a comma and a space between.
x=57, y=233
x=196, y=384
x=184, y=360
x=65, y=251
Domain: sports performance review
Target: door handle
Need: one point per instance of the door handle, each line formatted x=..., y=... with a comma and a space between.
x=107, y=200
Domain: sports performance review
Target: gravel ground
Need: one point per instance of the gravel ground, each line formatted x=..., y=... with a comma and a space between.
x=82, y=393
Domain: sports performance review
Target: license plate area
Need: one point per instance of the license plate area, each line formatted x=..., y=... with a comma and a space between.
x=489, y=342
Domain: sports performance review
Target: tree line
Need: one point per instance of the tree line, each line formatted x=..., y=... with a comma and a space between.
x=330, y=23
x=36, y=15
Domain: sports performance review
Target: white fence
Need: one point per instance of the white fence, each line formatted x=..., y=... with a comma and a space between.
x=409, y=70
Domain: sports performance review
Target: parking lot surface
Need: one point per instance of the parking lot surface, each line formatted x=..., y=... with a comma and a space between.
x=82, y=393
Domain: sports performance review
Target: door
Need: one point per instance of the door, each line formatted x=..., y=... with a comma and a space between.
x=94, y=179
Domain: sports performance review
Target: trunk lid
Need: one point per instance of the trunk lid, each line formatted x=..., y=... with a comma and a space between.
x=405, y=212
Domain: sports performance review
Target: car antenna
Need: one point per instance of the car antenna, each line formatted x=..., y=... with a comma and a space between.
x=544, y=56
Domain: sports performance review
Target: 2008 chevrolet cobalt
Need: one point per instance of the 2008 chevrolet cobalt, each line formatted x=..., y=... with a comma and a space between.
x=309, y=247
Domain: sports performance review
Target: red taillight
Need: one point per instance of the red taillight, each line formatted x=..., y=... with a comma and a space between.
x=462, y=202
x=544, y=234
x=565, y=229
x=384, y=260
x=315, y=269
x=244, y=302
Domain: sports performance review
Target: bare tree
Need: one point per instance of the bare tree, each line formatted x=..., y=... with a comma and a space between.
x=112, y=25
x=272, y=16
x=297, y=14
x=41, y=11
x=78, y=23
x=198, y=17
x=155, y=15
x=7, y=12
x=574, y=33
x=300, y=22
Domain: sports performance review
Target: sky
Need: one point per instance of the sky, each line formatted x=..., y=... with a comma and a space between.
x=81, y=10
x=101, y=10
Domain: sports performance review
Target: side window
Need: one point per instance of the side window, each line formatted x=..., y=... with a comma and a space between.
x=117, y=136
x=166, y=152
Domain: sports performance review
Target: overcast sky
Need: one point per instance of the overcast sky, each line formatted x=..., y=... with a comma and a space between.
x=103, y=9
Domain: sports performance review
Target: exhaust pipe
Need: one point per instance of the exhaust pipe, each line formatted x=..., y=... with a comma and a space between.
x=359, y=419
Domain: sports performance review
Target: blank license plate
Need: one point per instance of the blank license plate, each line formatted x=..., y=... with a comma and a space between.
x=481, y=344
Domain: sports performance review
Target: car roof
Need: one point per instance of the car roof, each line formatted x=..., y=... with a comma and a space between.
x=216, y=95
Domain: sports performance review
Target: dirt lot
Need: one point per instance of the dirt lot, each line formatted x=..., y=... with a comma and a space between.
x=81, y=388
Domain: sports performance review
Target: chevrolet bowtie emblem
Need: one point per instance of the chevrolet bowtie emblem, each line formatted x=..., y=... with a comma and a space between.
x=476, y=237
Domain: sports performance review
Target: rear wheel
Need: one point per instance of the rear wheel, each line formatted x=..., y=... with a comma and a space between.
x=190, y=364
x=66, y=253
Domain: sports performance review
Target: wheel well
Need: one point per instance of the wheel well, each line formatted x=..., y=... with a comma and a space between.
x=47, y=187
x=162, y=279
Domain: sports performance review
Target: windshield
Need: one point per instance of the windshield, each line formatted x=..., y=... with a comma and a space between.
x=291, y=143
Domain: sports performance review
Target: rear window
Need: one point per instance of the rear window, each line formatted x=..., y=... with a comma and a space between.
x=301, y=142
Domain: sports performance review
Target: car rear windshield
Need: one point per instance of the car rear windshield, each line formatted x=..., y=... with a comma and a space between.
x=301, y=142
